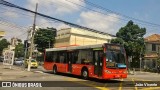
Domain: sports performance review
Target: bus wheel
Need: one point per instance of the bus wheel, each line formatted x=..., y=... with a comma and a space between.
x=85, y=73
x=54, y=70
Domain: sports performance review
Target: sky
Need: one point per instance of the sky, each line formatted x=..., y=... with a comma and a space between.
x=16, y=22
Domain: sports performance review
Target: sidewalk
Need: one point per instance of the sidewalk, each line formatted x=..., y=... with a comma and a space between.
x=15, y=72
x=142, y=73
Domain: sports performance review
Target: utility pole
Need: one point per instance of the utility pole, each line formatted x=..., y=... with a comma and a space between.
x=49, y=44
x=158, y=61
x=140, y=60
x=32, y=39
x=140, y=63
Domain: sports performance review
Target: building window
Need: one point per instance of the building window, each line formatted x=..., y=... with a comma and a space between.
x=153, y=47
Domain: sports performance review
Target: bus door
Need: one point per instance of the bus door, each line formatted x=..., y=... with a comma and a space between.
x=98, y=59
x=70, y=58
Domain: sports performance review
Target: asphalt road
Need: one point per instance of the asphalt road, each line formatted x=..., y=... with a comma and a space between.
x=70, y=82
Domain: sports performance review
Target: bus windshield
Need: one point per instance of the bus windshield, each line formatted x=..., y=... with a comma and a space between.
x=115, y=58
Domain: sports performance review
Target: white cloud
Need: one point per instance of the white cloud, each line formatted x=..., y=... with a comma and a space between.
x=43, y=23
x=105, y=23
x=13, y=31
x=55, y=7
x=10, y=14
x=63, y=7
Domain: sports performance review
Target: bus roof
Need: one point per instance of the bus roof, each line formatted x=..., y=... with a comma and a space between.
x=75, y=47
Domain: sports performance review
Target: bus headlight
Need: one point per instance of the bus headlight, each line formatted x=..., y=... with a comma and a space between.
x=125, y=72
x=107, y=71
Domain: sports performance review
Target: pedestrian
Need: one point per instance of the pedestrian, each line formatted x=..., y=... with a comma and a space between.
x=158, y=69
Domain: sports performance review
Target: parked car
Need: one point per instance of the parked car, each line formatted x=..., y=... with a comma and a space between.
x=34, y=63
x=1, y=58
x=19, y=61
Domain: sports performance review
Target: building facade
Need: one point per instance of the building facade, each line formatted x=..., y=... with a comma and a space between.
x=14, y=41
x=2, y=34
x=76, y=37
x=152, y=51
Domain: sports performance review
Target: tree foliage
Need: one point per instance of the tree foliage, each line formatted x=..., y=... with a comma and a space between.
x=19, y=50
x=158, y=61
x=44, y=38
x=3, y=44
x=131, y=36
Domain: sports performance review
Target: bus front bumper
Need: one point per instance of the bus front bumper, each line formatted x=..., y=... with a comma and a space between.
x=114, y=76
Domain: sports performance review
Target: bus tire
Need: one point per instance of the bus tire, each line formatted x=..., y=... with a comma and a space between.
x=84, y=73
x=54, y=69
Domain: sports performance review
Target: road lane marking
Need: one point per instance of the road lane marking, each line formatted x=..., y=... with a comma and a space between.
x=91, y=85
x=120, y=85
x=134, y=83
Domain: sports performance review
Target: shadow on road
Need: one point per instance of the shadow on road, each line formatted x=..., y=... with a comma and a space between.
x=90, y=79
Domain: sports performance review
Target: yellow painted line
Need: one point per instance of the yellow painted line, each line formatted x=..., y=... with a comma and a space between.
x=101, y=88
x=134, y=83
x=91, y=85
x=120, y=85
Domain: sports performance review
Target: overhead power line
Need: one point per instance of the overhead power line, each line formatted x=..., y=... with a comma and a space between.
x=16, y=12
x=97, y=11
x=117, y=13
x=46, y=16
x=123, y=17
x=13, y=25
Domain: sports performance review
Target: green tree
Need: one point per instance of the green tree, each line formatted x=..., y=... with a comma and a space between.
x=19, y=40
x=44, y=38
x=158, y=61
x=3, y=44
x=131, y=36
x=19, y=50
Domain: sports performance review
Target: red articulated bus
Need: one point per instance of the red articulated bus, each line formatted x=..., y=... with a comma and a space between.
x=102, y=61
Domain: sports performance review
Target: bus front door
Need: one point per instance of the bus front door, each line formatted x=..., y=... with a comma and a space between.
x=98, y=58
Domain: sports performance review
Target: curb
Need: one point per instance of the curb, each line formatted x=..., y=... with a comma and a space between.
x=38, y=72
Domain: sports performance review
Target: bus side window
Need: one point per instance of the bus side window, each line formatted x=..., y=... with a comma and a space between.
x=85, y=56
x=55, y=57
x=65, y=57
x=75, y=57
x=79, y=57
x=62, y=57
x=49, y=56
